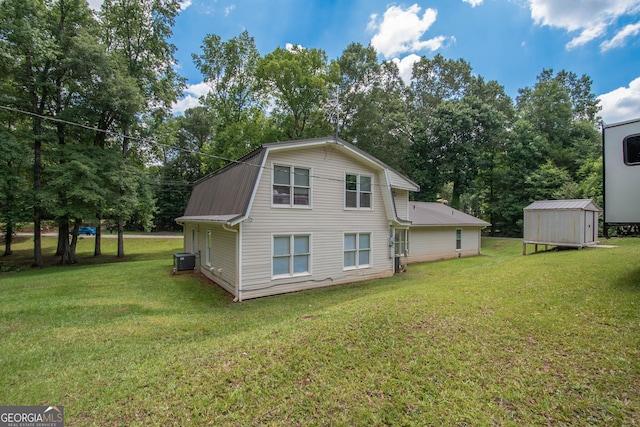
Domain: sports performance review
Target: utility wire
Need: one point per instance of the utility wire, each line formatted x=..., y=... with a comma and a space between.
x=160, y=144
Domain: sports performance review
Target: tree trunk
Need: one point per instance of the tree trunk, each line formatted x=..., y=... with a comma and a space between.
x=120, y=237
x=8, y=239
x=74, y=241
x=455, y=196
x=62, y=235
x=38, y=261
x=63, y=241
x=97, y=251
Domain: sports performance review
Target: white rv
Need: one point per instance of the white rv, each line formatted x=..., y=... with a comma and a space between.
x=621, y=158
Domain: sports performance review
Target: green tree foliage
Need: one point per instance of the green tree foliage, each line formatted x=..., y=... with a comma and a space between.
x=298, y=80
x=372, y=106
x=235, y=106
x=136, y=33
x=15, y=193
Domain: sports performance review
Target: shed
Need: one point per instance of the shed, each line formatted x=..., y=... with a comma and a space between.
x=564, y=223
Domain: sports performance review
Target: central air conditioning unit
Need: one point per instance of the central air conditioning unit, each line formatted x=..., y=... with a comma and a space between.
x=184, y=262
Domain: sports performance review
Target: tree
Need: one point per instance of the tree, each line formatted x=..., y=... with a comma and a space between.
x=15, y=196
x=50, y=47
x=447, y=143
x=136, y=33
x=372, y=105
x=494, y=114
x=438, y=79
x=28, y=55
x=298, y=80
x=73, y=192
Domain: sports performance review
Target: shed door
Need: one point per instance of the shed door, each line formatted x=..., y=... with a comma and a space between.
x=589, y=231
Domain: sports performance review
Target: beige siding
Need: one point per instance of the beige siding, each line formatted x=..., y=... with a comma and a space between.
x=326, y=221
x=436, y=243
x=401, y=200
x=223, y=268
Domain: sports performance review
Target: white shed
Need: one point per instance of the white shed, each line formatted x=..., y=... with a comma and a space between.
x=566, y=223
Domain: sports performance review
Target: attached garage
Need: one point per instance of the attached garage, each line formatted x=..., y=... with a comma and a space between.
x=565, y=223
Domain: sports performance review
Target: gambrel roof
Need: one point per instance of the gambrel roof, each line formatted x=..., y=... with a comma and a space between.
x=225, y=195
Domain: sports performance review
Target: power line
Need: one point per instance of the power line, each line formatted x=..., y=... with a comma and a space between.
x=160, y=144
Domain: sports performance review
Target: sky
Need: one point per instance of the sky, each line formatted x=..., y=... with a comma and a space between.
x=509, y=41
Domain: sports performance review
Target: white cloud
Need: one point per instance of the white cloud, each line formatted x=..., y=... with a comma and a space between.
x=591, y=17
x=405, y=66
x=95, y=4
x=621, y=104
x=191, y=98
x=473, y=3
x=229, y=9
x=619, y=39
x=293, y=47
x=401, y=29
x=185, y=4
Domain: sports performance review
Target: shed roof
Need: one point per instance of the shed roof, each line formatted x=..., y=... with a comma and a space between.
x=572, y=204
x=438, y=214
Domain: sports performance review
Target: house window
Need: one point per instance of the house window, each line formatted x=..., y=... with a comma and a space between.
x=193, y=240
x=357, y=191
x=291, y=186
x=291, y=254
x=208, y=250
x=402, y=242
x=632, y=150
x=357, y=250
x=458, y=239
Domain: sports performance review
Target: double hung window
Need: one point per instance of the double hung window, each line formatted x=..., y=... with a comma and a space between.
x=357, y=250
x=291, y=186
x=357, y=191
x=291, y=254
x=458, y=239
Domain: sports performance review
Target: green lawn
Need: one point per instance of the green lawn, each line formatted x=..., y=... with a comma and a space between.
x=499, y=339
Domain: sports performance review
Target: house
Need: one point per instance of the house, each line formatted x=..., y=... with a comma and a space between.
x=440, y=232
x=621, y=173
x=565, y=223
x=297, y=215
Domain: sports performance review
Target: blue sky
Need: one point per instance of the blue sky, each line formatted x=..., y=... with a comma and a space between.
x=510, y=41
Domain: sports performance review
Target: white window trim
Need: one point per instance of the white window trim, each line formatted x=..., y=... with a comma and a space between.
x=344, y=192
x=291, y=203
x=399, y=233
x=357, y=251
x=458, y=230
x=291, y=255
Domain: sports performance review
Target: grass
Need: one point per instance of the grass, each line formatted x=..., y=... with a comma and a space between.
x=499, y=339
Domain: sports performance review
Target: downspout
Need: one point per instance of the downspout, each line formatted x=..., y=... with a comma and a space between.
x=227, y=228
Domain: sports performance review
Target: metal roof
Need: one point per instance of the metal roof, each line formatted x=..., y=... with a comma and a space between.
x=438, y=214
x=226, y=192
x=572, y=204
